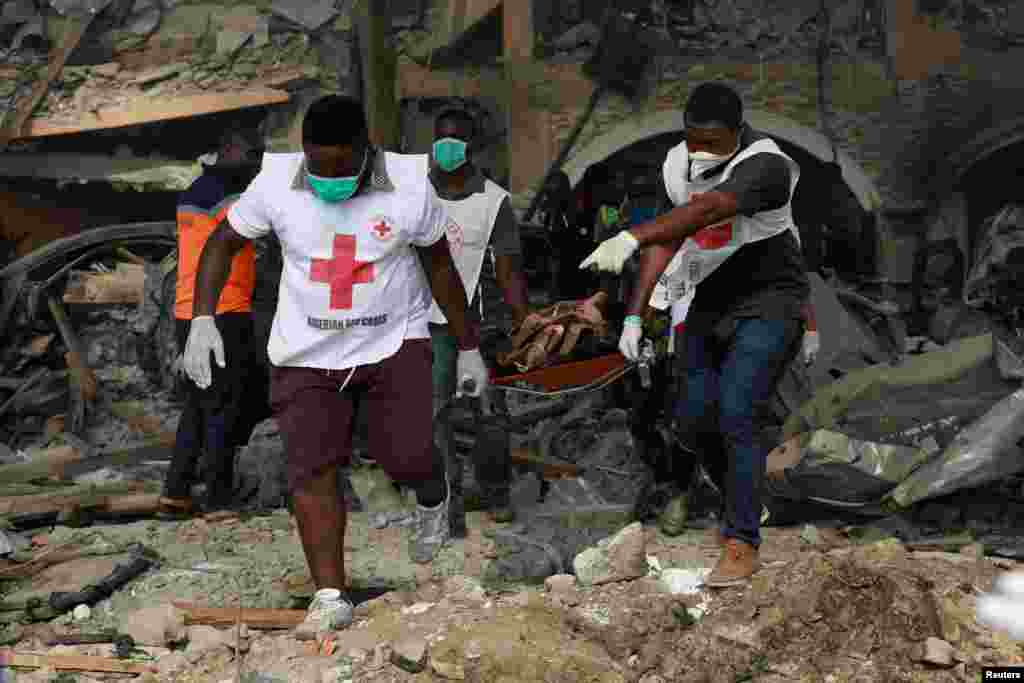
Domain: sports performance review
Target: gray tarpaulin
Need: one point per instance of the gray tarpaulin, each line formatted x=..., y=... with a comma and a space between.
x=935, y=423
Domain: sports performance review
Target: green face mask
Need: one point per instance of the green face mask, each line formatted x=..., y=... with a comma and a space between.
x=334, y=190
x=450, y=154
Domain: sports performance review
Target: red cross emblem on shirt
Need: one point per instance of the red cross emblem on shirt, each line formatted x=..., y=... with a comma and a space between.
x=713, y=236
x=342, y=271
x=381, y=229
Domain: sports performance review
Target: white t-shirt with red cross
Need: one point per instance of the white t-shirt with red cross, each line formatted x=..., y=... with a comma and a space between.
x=352, y=289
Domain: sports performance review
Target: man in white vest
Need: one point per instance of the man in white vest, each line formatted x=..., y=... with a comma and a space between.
x=481, y=226
x=354, y=223
x=739, y=271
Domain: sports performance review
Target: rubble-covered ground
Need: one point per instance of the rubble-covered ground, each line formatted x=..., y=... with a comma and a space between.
x=818, y=611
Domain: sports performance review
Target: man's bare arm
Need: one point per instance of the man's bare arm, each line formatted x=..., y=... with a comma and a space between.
x=215, y=266
x=683, y=221
x=450, y=294
x=509, y=273
x=653, y=261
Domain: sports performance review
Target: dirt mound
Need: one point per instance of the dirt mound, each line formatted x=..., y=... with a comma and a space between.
x=853, y=614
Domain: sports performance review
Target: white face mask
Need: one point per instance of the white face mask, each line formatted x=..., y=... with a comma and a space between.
x=704, y=161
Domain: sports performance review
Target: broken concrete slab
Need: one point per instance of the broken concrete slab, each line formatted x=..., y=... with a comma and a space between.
x=156, y=626
x=619, y=558
x=410, y=654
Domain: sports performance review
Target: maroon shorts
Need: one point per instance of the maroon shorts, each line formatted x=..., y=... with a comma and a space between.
x=316, y=419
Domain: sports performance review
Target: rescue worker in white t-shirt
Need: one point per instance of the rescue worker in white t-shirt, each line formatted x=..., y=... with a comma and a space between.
x=481, y=226
x=359, y=229
x=741, y=272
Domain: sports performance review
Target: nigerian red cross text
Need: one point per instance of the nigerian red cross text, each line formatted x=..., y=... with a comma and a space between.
x=342, y=272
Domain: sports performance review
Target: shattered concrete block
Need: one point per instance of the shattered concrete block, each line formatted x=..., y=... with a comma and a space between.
x=410, y=654
x=156, y=626
x=560, y=583
x=619, y=558
x=937, y=652
x=203, y=640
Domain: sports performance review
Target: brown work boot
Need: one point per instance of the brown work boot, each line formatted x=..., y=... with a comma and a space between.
x=738, y=562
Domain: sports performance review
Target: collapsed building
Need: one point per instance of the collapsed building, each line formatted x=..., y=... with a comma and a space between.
x=909, y=226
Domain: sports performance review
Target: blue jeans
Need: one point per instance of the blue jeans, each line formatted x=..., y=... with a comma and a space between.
x=728, y=385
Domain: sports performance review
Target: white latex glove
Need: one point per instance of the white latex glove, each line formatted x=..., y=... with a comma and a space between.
x=613, y=253
x=810, y=348
x=1003, y=608
x=203, y=337
x=470, y=366
x=632, y=333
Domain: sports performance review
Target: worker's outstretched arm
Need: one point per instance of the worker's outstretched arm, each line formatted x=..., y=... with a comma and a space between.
x=653, y=261
x=681, y=222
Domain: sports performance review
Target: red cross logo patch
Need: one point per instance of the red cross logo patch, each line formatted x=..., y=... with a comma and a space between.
x=342, y=272
x=714, y=236
x=453, y=231
x=381, y=228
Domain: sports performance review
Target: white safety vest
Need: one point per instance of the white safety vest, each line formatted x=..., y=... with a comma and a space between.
x=470, y=224
x=701, y=254
x=352, y=290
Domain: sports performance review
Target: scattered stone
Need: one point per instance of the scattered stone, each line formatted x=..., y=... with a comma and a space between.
x=465, y=589
x=175, y=661
x=619, y=558
x=204, y=639
x=937, y=652
x=449, y=666
x=418, y=608
x=410, y=654
x=810, y=534
x=81, y=613
x=560, y=583
x=158, y=626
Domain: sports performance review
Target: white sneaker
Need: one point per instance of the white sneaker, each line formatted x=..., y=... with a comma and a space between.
x=430, y=531
x=329, y=611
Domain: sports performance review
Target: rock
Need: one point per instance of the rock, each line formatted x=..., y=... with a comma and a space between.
x=937, y=652
x=450, y=669
x=560, y=583
x=203, y=640
x=619, y=558
x=81, y=613
x=464, y=589
x=175, y=661
x=410, y=654
x=158, y=626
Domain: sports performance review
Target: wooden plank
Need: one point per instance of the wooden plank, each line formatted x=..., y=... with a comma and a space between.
x=72, y=36
x=151, y=109
x=19, y=660
x=83, y=496
x=251, y=617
